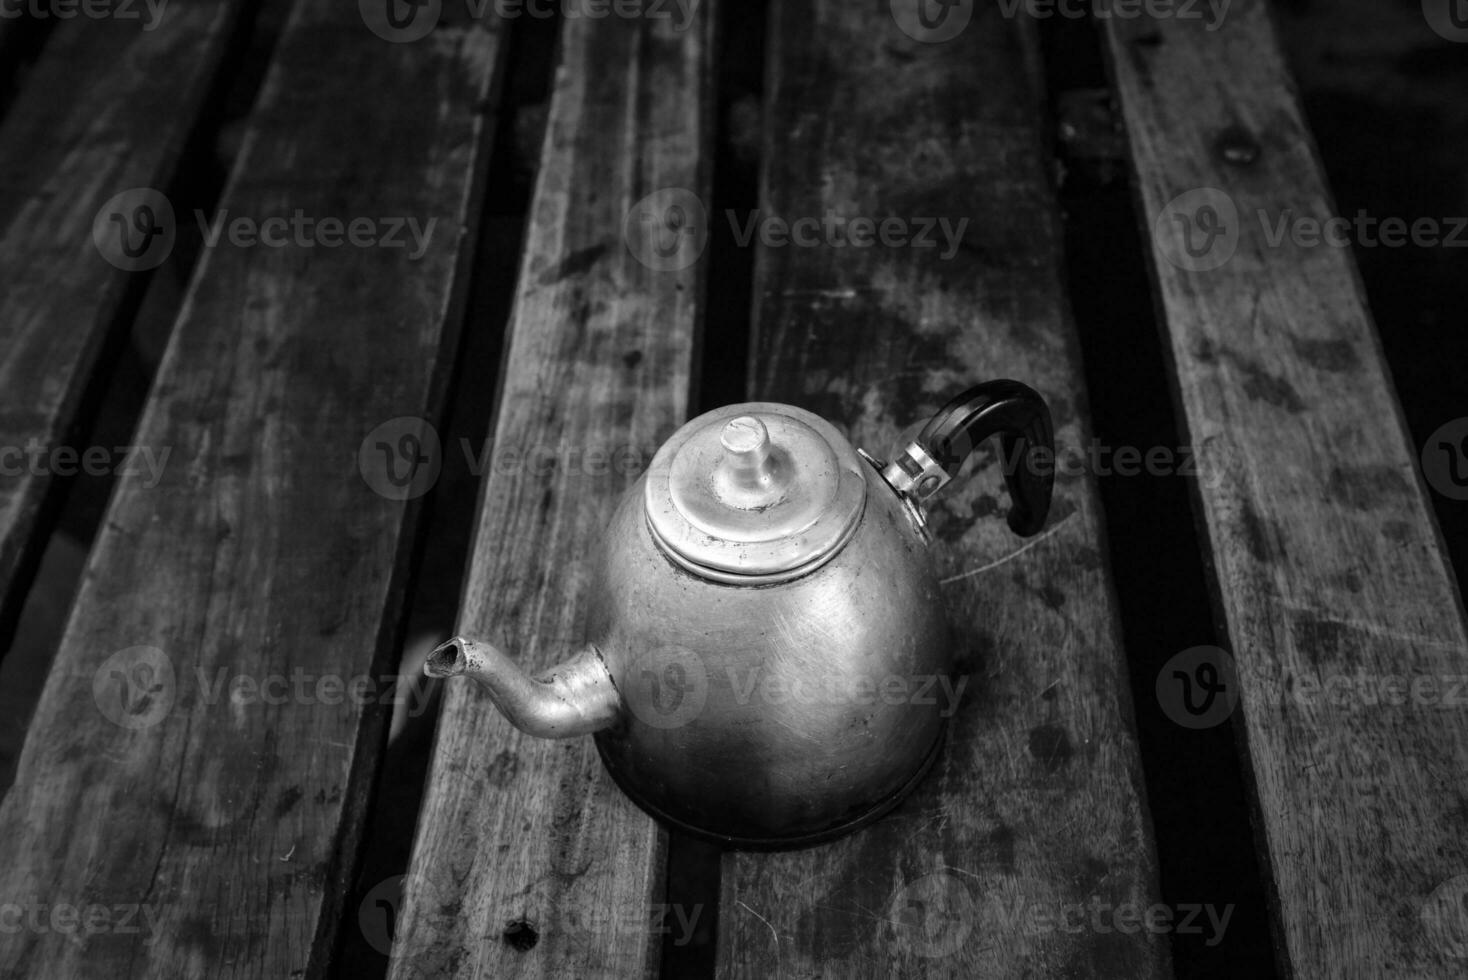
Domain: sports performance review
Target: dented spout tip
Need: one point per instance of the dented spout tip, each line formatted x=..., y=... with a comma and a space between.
x=446, y=660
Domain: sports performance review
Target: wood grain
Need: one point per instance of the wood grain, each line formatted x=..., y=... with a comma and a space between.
x=212, y=807
x=1328, y=568
x=1035, y=805
x=529, y=862
x=72, y=140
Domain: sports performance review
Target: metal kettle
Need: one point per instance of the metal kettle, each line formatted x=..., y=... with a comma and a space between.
x=768, y=658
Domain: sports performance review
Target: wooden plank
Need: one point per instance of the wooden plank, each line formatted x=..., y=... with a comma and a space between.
x=1327, y=563
x=202, y=753
x=72, y=141
x=1035, y=806
x=529, y=862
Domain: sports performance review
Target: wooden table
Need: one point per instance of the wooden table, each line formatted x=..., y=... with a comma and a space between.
x=202, y=763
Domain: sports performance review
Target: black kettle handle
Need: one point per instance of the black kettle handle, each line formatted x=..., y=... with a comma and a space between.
x=1013, y=411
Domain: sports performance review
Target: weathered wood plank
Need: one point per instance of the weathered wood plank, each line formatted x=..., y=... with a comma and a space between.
x=202, y=752
x=1036, y=804
x=106, y=109
x=1327, y=563
x=529, y=861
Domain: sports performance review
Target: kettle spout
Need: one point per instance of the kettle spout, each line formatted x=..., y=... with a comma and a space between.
x=573, y=698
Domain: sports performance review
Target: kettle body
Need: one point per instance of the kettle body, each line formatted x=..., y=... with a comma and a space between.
x=773, y=715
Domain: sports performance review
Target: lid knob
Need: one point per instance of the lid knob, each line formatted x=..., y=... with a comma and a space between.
x=747, y=443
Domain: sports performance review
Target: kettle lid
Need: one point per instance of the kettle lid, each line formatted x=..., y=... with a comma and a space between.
x=754, y=493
